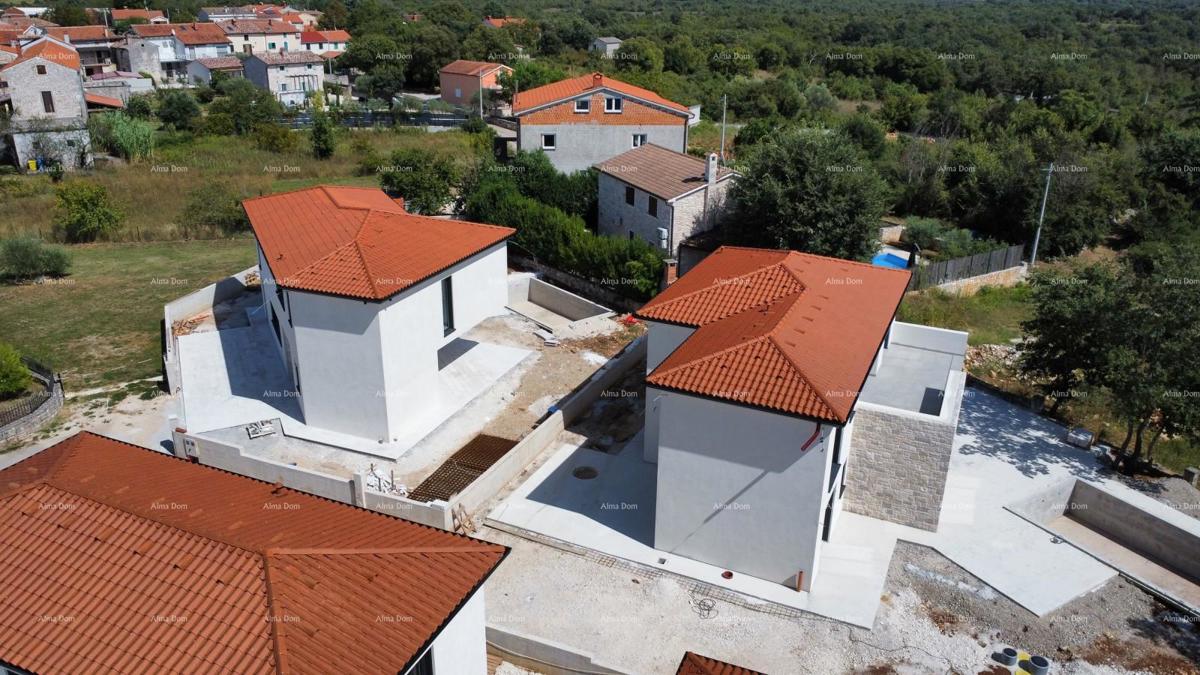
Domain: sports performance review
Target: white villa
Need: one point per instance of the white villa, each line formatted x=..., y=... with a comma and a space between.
x=779, y=391
x=361, y=296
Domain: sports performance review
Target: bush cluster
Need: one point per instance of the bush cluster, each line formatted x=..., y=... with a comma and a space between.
x=27, y=258
x=14, y=376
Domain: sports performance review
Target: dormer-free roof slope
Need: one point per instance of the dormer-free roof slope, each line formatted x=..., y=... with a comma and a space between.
x=660, y=171
x=49, y=49
x=780, y=330
x=563, y=90
x=358, y=242
x=114, y=558
x=695, y=664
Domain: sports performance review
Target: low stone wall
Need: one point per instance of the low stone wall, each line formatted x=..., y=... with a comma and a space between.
x=1174, y=545
x=40, y=416
x=971, y=285
x=899, y=460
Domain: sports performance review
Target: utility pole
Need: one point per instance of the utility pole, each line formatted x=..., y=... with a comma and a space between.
x=1041, y=216
x=724, y=107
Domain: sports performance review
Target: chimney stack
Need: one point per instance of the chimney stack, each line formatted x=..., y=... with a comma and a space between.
x=597, y=79
x=710, y=168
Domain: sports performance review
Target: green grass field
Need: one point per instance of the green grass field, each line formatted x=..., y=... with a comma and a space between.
x=991, y=316
x=152, y=193
x=100, y=325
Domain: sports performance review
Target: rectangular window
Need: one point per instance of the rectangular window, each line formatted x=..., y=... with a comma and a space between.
x=653, y=207
x=41, y=70
x=548, y=141
x=612, y=105
x=639, y=140
x=447, y=307
x=458, y=92
x=48, y=101
x=629, y=196
x=283, y=86
x=583, y=105
x=270, y=45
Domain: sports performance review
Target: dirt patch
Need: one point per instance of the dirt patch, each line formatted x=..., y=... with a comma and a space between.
x=958, y=602
x=1138, y=655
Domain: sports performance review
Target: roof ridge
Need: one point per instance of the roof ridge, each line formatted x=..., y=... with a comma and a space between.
x=729, y=280
x=274, y=618
x=771, y=337
x=707, y=357
x=481, y=547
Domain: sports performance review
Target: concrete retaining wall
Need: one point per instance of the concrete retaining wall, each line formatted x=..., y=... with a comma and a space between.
x=562, y=302
x=435, y=514
x=190, y=305
x=544, y=656
x=584, y=287
x=1174, y=546
x=971, y=285
x=899, y=459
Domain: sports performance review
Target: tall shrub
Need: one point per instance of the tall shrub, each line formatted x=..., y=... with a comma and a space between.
x=14, y=376
x=83, y=211
x=26, y=257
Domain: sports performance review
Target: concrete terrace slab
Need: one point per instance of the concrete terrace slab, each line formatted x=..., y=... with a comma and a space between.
x=613, y=514
x=236, y=376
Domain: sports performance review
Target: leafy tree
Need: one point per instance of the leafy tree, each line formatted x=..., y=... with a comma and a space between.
x=867, y=133
x=14, y=375
x=244, y=106
x=430, y=47
x=67, y=13
x=423, y=178
x=527, y=75
x=178, y=109
x=903, y=108
x=811, y=191
x=639, y=53
x=755, y=131
x=140, y=106
x=84, y=212
x=489, y=44
x=769, y=56
x=682, y=56
x=274, y=137
x=575, y=194
x=323, y=136
x=730, y=60
x=334, y=15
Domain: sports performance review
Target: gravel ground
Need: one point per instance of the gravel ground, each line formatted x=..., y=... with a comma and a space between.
x=933, y=618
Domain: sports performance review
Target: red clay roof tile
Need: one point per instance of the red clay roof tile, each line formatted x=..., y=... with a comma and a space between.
x=115, y=558
x=781, y=330
x=562, y=90
x=48, y=49
x=358, y=242
x=695, y=664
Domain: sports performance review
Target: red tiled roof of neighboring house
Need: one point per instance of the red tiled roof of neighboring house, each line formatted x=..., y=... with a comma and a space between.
x=257, y=27
x=358, y=242
x=221, y=63
x=105, y=101
x=780, y=330
x=502, y=21
x=128, y=14
x=77, y=34
x=24, y=22
x=121, y=559
x=50, y=50
x=187, y=33
x=9, y=49
x=695, y=664
x=316, y=36
x=566, y=89
x=464, y=67
x=659, y=171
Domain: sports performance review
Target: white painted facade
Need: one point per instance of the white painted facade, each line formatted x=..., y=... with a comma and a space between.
x=461, y=647
x=290, y=83
x=364, y=367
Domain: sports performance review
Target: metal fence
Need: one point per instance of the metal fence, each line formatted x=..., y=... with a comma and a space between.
x=945, y=271
x=380, y=118
x=11, y=411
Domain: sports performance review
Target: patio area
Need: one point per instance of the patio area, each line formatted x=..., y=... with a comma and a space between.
x=236, y=376
x=914, y=368
x=1002, y=455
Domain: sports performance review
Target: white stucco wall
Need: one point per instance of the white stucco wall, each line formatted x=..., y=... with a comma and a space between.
x=366, y=367
x=661, y=340
x=735, y=489
x=462, y=645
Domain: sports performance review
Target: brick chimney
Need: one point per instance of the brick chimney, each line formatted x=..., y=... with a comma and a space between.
x=597, y=79
x=670, y=272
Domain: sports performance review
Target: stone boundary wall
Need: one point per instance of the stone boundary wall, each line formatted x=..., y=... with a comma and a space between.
x=39, y=417
x=898, y=461
x=971, y=285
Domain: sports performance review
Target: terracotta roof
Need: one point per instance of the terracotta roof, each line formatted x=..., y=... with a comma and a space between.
x=314, y=36
x=105, y=101
x=221, y=63
x=115, y=558
x=464, y=67
x=659, y=171
x=127, y=14
x=358, y=242
x=81, y=33
x=257, y=27
x=786, y=331
x=502, y=21
x=565, y=89
x=187, y=33
x=50, y=50
x=287, y=58
x=695, y=664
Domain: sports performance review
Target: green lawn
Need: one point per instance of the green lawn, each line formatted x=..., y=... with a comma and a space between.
x=100, y=325
x=991, y=316
x=152, y=193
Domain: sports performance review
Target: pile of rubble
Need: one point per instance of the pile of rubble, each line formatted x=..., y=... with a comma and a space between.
x=992, y=356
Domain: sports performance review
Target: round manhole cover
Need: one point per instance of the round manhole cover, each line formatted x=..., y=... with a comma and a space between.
x=585, y=473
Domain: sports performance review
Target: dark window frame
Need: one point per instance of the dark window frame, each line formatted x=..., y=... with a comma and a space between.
x=48, y=102
x=630, y=195
x=447, y=306
x=652, y=207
